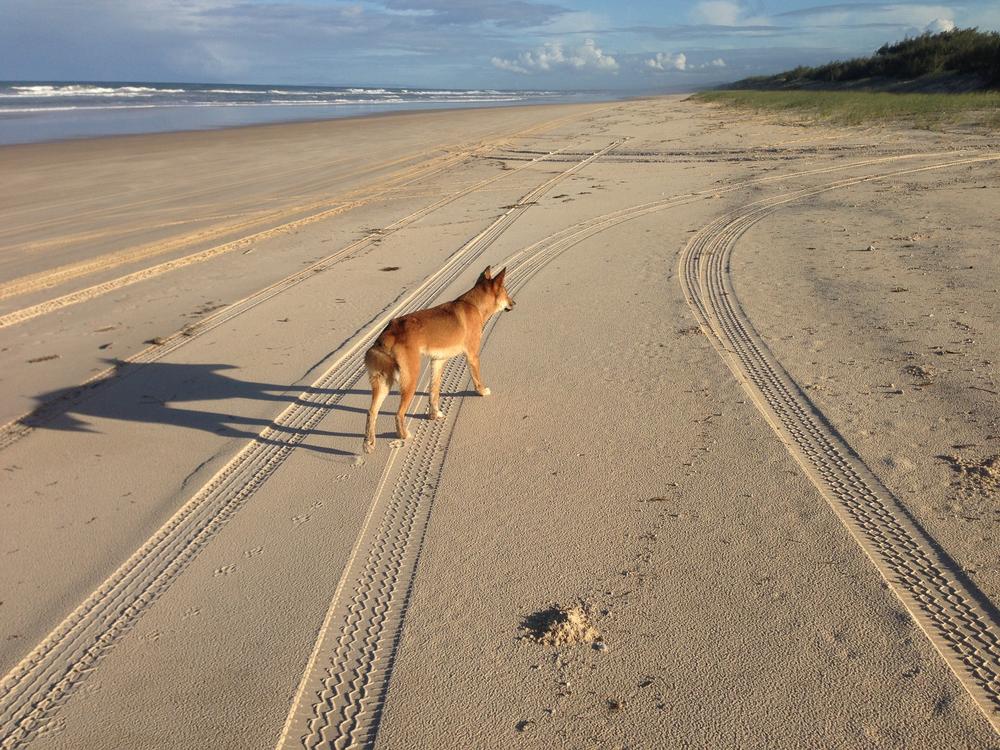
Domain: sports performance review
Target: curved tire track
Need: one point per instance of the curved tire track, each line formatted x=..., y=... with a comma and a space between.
x=946, y=607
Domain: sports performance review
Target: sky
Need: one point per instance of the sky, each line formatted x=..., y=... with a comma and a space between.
x=516, y=44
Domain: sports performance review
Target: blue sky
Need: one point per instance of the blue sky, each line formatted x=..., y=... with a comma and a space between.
x=564, y=44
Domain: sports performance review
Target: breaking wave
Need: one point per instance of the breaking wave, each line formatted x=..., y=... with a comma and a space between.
x=42, y=110
x=42, y=91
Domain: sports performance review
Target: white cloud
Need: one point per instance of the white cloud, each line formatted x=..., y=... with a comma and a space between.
x=554, y=56
x=575, y=22
x=666, y=61
x=717, y=12
x=908, y=16
x=510, y=65
x=940, y=24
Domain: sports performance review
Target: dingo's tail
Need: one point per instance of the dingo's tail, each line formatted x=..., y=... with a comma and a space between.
x=380, y=364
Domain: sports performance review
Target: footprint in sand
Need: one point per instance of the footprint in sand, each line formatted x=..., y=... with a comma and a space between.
x=299, y=520
x=253, y=552
x=52, y=726
x=225, y=570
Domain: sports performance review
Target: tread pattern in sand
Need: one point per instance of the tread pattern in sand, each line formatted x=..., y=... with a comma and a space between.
x=320, y=210
x=414, y=167
x=18, y=428
x=344, y=687
x=315, y=211
x=350, y=692
x=42, y=680
x=347, y=679
x=345, y=684
x=945, y=607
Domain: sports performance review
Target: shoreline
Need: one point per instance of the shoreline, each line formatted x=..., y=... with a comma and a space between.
x=315, y=120
x=181, y=139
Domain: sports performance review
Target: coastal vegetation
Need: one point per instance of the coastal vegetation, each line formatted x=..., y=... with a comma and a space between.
x=926, y=111
x=960, y=59
x=930, y=81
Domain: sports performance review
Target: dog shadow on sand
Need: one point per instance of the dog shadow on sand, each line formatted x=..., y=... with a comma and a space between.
x=193, y=396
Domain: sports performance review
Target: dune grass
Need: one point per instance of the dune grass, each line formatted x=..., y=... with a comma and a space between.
x=927, y=111
x=962, y=52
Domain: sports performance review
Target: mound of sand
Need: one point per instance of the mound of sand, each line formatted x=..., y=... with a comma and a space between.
x=561, y=626
x=984, y=474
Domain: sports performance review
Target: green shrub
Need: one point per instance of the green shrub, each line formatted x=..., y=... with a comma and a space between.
x=962, y=51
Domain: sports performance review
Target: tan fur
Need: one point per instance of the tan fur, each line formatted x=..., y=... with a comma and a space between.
x=440, y=333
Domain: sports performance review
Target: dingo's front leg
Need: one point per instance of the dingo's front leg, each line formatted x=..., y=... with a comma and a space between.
x=473, y=358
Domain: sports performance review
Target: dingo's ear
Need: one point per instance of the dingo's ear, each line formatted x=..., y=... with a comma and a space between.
x=498, y=279
x=485, y=275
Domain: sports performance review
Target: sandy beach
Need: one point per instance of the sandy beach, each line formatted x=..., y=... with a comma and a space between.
x=744, y=423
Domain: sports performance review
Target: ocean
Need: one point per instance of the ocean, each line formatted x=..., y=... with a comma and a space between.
x=33, y=111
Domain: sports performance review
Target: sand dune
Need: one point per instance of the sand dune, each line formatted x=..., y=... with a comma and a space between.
x=739, y=352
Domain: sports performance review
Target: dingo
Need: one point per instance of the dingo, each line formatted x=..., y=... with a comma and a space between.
x=441, y=333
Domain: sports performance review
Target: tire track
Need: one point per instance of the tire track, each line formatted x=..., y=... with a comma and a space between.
x=53, y=277
x=955, y=617
x=22, y=426
x=344, y=687
x=345, y=683
x=38, y=684
x=346, y=680
x=222, y=179
x=351, y=697
x=18, y=428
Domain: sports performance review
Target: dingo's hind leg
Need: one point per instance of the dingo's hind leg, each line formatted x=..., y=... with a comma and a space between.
x=409, y=370
x=434, y=409
x=381, y=372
